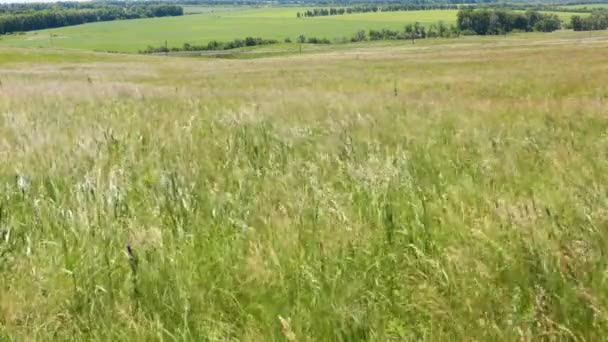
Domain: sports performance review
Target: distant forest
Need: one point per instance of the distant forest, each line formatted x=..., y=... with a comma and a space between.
x=382, y=2
x=407, y=6
x=39, y=16
x=489, y=22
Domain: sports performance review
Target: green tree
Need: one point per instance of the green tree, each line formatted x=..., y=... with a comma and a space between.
x=577, y=23
x=359, y=36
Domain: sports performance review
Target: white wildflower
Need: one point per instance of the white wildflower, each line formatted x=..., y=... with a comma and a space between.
x=165, y=181
x=22, y=183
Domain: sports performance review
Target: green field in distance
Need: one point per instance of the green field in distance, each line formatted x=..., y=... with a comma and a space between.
x=225, y=24
x=588, y=6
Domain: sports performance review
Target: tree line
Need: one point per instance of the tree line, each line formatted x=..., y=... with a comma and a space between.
x=488, y=22
x=406, y=6
x=26, y=7
x=417, y=31
x=598, y=20
x=411, y=32
x=320, y=12
x=331, y=2
x=212, y=46
x=58, y=16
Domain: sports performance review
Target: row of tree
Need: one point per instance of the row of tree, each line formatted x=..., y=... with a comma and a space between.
x=58, y=17
x=320, y=12
x=27, y=7
x=410, y=32
x=487, y=22
x=337, y=2
x=417, y=31
x=302, y=39
x=409, y=6
x=598, y=20
x=212, y=46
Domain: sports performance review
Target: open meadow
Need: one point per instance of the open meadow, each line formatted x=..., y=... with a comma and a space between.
x=222, y=25
x=585, y=6
x=452, y=191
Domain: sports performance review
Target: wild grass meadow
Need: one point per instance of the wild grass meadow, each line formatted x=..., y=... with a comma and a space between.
x=413, y=192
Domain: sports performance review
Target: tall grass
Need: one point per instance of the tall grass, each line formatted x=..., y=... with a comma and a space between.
x=432, y=193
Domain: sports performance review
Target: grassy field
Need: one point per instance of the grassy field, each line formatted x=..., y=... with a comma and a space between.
x=269, y=23
x=195, y=9
x=428, y=192
x=589, y=6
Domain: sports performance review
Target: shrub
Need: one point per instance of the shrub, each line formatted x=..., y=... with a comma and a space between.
x=468, y=33
x=313, y=40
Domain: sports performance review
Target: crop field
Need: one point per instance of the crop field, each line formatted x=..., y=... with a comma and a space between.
x=416, y=192
x=269, y=23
